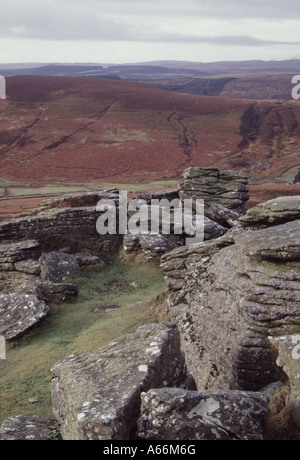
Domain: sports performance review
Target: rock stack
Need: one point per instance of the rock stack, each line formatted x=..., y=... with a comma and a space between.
x=225, y=188
x=228, y=296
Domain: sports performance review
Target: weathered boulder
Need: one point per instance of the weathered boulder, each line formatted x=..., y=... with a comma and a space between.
x=52, y=292
x=19, y=313
x=228, y=296
x=273, y=212
x=15, y=252
x=97, y=395
x=57, y=267
x=73, y=227
x=176, y=414
x=288, y=348
x=29, y=428
x=227, y=188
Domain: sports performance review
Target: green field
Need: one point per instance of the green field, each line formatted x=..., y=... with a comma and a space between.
x=76, y=328
x=31, y=190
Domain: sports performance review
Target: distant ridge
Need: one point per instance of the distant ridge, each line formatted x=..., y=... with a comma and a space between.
x=151, y=69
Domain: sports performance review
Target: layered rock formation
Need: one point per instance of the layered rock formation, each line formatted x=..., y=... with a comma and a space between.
x=225, y=188
x=229, y=295
x=231, y=351
x=39, y=254
x=224, y=194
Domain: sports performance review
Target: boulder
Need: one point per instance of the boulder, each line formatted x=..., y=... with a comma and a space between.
x=227, y=296
x=273, y=212
x=29, y=428
x=57, y=267
x=52, y=292
x=97, y=395
x=19, y=313
x=176, y=414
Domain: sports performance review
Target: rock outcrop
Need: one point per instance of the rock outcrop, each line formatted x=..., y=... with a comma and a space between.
x=97, y=395
x=224, y=194
x=19, y=313
x=176, y=414
x=29, y=428
x=273, y=212
x=58, y=226
x=57, y=267
x=39, y=254
x=228, y=296
x=225, y=188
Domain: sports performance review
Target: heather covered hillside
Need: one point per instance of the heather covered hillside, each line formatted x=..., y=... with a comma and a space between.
x=78, y=129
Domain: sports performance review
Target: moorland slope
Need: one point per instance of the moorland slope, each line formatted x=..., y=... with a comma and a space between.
x=82, y=129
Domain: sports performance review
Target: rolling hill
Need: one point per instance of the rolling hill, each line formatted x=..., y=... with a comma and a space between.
x=60, y=129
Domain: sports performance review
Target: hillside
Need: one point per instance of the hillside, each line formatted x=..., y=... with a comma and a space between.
x=59, y=129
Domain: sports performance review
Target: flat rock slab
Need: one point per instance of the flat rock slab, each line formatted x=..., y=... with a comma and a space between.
x=176, y=414
x=273, y=212
x=97, y=395
x=281, y=242
x=29, y=428
x=19, y=313
x=57, y=267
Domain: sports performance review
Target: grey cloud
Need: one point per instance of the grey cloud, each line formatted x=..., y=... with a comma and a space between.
x=229, y=9
x=133, y=20
x=236, y=40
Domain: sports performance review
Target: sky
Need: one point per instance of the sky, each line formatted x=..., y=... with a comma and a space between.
x=130, y=31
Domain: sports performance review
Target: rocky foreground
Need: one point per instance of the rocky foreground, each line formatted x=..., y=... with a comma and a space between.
x=224, y=365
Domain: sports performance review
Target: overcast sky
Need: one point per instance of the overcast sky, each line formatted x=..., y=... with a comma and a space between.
x=125, y=31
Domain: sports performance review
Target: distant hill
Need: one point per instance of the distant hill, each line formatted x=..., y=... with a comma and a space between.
x=148, y=70
x=89, y=129
x=127, y=72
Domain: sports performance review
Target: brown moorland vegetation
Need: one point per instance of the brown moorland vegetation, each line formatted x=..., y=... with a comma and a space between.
x=60, y=130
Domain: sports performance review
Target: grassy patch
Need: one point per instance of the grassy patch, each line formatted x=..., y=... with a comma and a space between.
x=76, y=328
x=59, y=189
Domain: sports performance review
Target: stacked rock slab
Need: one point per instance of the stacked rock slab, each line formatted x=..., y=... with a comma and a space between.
x=66, y=222
x=229, y=295
x=225, y=188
